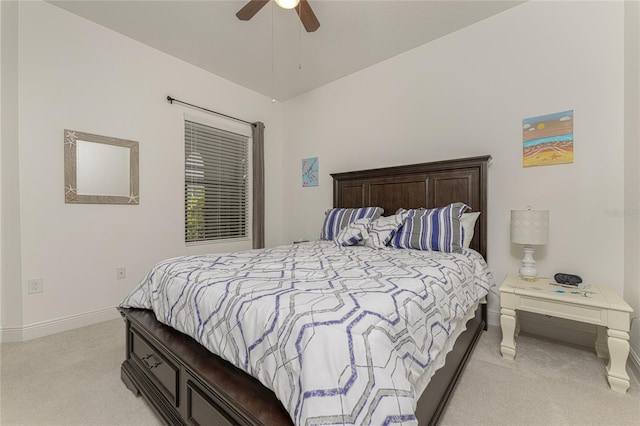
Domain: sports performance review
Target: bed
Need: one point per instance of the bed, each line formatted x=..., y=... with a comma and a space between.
x=187, y=384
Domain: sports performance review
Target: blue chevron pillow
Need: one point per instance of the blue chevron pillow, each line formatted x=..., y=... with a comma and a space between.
x=436, y=229
x=383, y=229
x=337, y=218
x=353, y=233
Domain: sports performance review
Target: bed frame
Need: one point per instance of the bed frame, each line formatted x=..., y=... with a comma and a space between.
x=186, y=384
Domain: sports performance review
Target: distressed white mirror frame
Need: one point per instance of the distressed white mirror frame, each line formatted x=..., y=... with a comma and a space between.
x=71, y=195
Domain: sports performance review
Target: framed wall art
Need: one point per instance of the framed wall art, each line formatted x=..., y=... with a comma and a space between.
x=310, y=172
x=547, y=139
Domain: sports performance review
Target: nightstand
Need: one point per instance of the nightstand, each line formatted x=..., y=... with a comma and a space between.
x=593, y=304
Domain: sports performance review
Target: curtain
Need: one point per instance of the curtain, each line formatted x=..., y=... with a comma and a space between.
x=257, y=130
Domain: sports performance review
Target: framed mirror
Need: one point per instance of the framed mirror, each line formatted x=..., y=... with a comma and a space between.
x=99, y=169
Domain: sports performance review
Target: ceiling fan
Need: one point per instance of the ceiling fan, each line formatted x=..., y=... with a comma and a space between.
x=303, y=8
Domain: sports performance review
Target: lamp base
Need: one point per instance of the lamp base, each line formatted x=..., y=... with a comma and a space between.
x=527, y=270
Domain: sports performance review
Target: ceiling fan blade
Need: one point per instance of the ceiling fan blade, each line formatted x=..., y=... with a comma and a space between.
x=250, y=9
x=307, y=16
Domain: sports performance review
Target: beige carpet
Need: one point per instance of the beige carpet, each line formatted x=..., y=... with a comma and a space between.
x=73, y=378
x=70, y=378
x=548, y=383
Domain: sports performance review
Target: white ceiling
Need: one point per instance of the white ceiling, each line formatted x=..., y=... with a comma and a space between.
x=271, y=53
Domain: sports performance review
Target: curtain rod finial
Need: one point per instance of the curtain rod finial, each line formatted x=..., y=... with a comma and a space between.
x=170, y=99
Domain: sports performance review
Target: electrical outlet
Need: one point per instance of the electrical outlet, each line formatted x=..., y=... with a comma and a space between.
x=35, y=285
x=121, y=273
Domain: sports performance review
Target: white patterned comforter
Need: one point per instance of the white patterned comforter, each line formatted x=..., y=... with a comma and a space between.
x=342, y=335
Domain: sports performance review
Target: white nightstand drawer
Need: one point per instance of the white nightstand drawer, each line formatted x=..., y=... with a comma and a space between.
x=563, y=310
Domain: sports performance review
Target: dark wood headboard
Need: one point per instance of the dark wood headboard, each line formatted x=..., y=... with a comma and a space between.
x=420, y=185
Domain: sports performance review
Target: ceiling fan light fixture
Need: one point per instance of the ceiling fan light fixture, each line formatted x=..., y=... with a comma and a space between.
x=287, y=4
x=302, y=7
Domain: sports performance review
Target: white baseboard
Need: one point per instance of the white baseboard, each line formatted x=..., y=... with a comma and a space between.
x=58, y=325
x=576, y=333
x=493, y=318
x=634, y=363
x=10, y=334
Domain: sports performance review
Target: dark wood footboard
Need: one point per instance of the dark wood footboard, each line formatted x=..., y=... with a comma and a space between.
x=186, y=384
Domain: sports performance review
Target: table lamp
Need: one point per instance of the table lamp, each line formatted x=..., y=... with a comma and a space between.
x=529, y=227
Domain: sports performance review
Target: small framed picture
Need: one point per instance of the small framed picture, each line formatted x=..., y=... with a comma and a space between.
x=310, y=172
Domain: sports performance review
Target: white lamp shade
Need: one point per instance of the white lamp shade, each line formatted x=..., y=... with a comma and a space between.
x=529, y=226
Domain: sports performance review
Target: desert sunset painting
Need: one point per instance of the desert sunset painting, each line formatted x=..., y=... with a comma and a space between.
x=548, y=139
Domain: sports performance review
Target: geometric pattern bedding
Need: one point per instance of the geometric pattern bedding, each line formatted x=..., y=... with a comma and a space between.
x=342, y=335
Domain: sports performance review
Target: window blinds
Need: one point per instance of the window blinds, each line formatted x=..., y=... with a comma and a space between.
x=216, y=183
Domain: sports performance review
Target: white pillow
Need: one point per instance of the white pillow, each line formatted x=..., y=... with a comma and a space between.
x=383, y=229
x=353, y=233
x=468, y=221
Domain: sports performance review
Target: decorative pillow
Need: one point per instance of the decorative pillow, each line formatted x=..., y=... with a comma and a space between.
x=353, y=233
x=468, y=221
x=337, y=218
x=436, y=229
x=383, y=229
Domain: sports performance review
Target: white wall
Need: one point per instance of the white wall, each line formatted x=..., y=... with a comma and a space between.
x=1, y=62
x=466, y=94
x=632, y=167
x=74, y=74
x=1, y=97
x=10, y=245
x=463, y=95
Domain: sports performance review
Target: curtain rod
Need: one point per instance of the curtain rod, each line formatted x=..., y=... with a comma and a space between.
x=172, y=100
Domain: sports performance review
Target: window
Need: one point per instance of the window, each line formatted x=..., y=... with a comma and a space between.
x=217, y=184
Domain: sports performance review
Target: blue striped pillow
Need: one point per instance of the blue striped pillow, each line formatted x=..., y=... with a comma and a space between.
x=337, y=218
x=436, y=229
